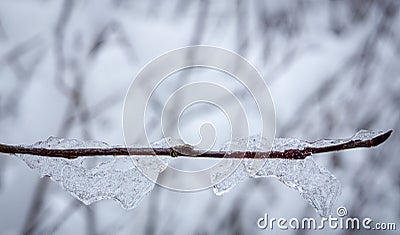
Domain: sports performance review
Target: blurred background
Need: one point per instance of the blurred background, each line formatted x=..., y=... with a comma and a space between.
x=333, y=67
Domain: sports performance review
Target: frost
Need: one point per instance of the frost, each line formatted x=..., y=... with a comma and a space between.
x=115, y=178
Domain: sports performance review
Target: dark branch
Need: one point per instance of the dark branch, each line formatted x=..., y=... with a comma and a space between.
x=189, y=152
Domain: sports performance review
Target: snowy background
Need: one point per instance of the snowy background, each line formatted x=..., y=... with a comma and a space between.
x=333, y=67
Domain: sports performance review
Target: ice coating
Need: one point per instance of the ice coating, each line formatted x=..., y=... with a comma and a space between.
x=127, y=186
x=314, y=183
x=56, y=142
x=120, y=179
x=167, y=142
x=227, y=174
x=113, y=178
x=282, y=144
x=252, y=143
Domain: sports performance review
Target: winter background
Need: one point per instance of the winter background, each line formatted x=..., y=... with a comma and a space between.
x=65, y=66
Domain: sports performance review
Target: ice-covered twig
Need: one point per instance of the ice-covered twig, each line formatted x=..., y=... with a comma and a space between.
x=127, y=179
x=285, y=148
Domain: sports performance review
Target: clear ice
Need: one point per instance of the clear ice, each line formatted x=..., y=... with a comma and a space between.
x=314, y=183
x=115, y=178
x=119, y=178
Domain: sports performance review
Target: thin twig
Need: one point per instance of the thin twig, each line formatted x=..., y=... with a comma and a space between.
x=190, y=152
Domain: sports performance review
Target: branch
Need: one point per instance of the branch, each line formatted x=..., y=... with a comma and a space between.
x=188, y=151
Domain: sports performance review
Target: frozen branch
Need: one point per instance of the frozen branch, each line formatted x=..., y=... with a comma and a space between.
x=303, y=149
